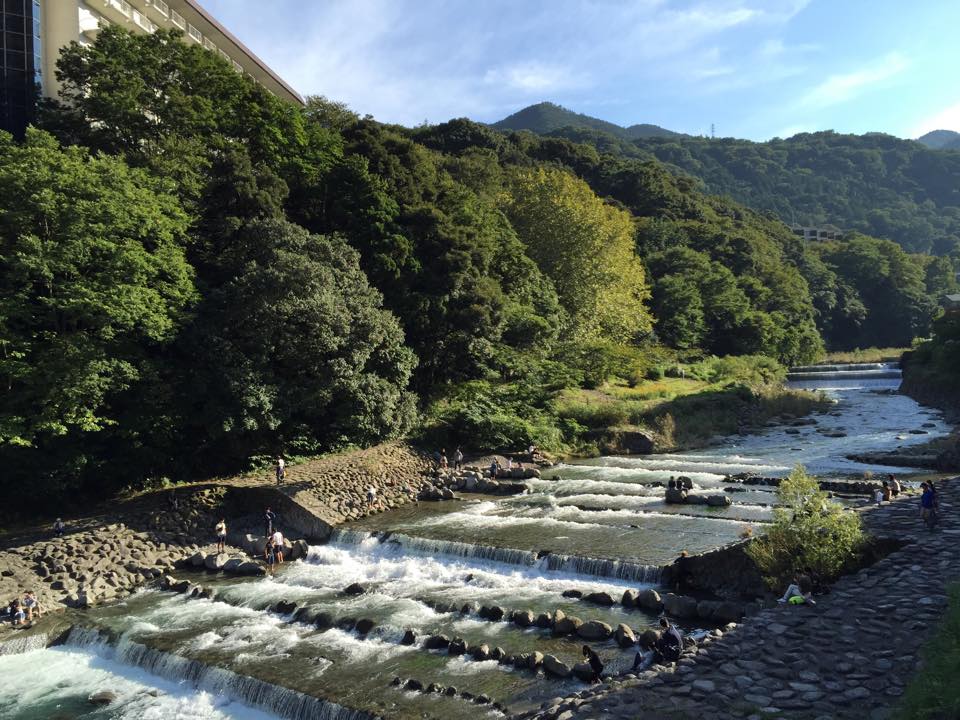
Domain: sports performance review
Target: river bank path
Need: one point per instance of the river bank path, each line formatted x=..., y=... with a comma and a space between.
x=850, y=656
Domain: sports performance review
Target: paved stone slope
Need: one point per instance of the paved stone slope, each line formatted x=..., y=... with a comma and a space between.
x=850, y=656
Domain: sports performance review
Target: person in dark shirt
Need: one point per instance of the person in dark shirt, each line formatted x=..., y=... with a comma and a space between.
x=268, y=518
x=681, y=572
x=594, y=661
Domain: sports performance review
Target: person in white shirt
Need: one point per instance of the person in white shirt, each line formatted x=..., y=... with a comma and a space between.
x=277, y=540
x=221, y=534
x=281, y=470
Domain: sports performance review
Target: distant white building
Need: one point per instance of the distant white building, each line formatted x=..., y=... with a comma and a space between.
x=32, y=33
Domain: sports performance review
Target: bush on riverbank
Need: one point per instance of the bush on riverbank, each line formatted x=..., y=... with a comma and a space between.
x=935, y=690
x=809, y=531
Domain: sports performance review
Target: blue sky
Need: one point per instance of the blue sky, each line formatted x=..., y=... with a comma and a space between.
x=754, y=68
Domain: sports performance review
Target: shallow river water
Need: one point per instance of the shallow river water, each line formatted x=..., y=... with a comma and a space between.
x=592, y=525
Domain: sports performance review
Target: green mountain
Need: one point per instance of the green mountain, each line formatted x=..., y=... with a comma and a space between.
x=941, y=140
x=546, y=117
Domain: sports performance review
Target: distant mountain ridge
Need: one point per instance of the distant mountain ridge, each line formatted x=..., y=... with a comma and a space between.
x=941, y=140
x=545, y=117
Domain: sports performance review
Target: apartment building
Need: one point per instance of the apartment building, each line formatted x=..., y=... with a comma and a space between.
x=32, y=33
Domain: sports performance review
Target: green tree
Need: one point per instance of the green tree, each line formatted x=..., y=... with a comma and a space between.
x=586, y=248
x=93, y=280
x=809, y=530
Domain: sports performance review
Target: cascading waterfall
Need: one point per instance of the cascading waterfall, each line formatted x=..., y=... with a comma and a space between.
x=274, y=699
x=599, y=567
x=555, y=562
x=24, y=644
x=852, y=376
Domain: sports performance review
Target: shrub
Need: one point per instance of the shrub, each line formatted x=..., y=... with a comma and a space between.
x=808, y=531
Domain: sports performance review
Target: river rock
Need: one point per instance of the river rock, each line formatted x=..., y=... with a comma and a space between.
x=436, y=642
x=727, y=612
x=481, y=652
x=250, y=568
x=494, y=613
x=498, y=653
x=594, y=630
x=567, y=625
x=544, y=620
x=680, y=606
x=104, y=697
x=574, y=594
x=718, y=500
x=285, y=607
x=354, y=589
x=231, y=565
x=458, y=646
x=197, y=559
x=216, y=562
x=364, y=626
x=674, y=496
x=409, y=637
x=299, y=549
x=629, y=598
x=413, y=684
x=695, y=500
x=555, y=667
x=625, y=636
x=599, y=598
x=649, y=638
x=535, y=660
x=583, y=671
x=649, y=600
x=523, y=618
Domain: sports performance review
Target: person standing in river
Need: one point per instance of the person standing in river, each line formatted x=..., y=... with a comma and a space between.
x=277, y=541
x=221, y=530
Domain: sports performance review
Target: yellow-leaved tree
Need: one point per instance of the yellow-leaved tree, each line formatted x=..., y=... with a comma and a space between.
x=586, y=247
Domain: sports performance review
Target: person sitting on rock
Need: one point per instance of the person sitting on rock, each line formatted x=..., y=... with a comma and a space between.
x=887, y=493
x=277, y=541
x=221, y=530
x=670, y=644
x=594, y=661
x=16, y=612
x=31, y=605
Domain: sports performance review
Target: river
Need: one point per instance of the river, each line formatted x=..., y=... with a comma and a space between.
x=591, y=525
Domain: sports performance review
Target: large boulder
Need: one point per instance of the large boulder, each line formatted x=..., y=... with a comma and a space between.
x=285, y=607
x=354, y=589
x=625, y=636
x=436, y=642
x=231, y=565
x=680, y=606
x=409, y=637
x=648, y=638
x=567, y=625
x=216, y=562
x=727, y=612
x=364, y=626
x=695, y=500
x=481, y=652
x=523, y=618
x=104, y=697
x=534, y=660
x=649, y=600
x=599, y=598
x=494, y=613
x=458, y=646
x=250, y=568
x=299, y=549
x=544, y=620
x=629, y=598
x=595, y=630
x=555, y=667
x=197, y=559
x=719, y=500
x=674, y=496
x=583, y=671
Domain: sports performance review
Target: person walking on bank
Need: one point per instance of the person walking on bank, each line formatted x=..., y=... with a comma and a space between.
x=281, y=470
x=268, y=518
x=928, y=511
x=221, y=534
x=458, y=459
x=59, y=527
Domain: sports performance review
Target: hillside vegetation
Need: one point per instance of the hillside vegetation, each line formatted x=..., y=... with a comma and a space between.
x=197, y=276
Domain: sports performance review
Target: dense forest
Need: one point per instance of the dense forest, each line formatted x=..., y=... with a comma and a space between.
x=196, y=275
x=902, y=190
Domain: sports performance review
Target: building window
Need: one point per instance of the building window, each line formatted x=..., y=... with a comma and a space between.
x=20, y=62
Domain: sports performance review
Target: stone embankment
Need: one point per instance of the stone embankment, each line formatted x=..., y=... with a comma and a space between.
x=138, y=541
x=849, y=656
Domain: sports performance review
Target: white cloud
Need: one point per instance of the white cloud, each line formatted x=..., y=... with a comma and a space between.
x=946, y=119
x=535, y=76
x=841, y=88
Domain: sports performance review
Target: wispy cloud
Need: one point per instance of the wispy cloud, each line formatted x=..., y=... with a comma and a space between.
x=536, y=76
x=946, y=119
x=841, y=88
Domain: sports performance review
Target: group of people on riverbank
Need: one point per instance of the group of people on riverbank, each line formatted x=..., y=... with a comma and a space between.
x=21, y=611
